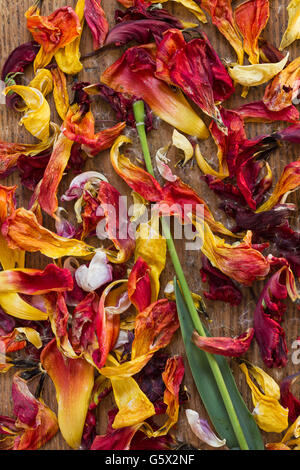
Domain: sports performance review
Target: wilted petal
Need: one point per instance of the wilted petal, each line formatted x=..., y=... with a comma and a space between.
x=19, y=58
x=240, y=261
x=152, y=248
x=134, y=73
x=279, y=93
x=231, y=347
x=97, y=22
x=251, y=18
x=22, y=231
x=287, y=399
x=52, y=32
x=288, y=182
x=202, y=430
x=98, y=273
x=138, y=179
x=73, y=380
x=60, y=92
x=268, y=413
x=35, y=281
x=258, y=112
x=68, y=57
x=222, y=17
x=257, y=74
x=291, y=34
x=196, y=69
x=268, y=317
x=37, y=117
x=139, y=285
x=117, y=223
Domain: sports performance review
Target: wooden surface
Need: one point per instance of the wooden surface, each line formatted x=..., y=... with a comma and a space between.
x=224, y=320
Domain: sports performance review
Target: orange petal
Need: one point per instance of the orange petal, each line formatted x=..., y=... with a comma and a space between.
x=73, y=380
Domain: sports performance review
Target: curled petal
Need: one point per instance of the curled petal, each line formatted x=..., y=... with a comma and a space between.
x=37, y=118
x=287, y=399
x=162, y=164
x=68, y=57
x=268, y=413
x=202, y=430
x=134, y=73
x=35, y=281
x=139, y=285
x=73, y=380
x=251, y=18
x=117, y=223
x=15, y=306
x=288, y=182
x=138, y=179
x=119, y=439
x=36, y=424
x=22, y=231
x=10, y=153
x=97, y=22
x=231, y=347
x=96, y=275
x=291, y=33
x=60, y=92
x=268, y=317
x=77, y=185
x=182, y=143
x=81, y=129
x=52, y=32
x=241, y=262
x=257, y=74
x=152, y=248
x=42, y=82
x=190, y=5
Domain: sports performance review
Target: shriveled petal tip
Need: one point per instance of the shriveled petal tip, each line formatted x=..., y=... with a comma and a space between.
x=231, y=347
x=97, y=21
x=202, y=430
x=73, y=380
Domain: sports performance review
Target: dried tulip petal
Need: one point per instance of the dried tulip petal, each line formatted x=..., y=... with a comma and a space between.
x=258, y=112
x=281, y=91
x=97, y=22
x=202, y=430
x=291, y=33
x=37, y=119
x=52, y=32
x=60, y=92
x=139, y=285
x=134, y=73
x=268, y=413
x=22, y=231
x=287, y=399
x=68, y=57
x=231, y=347
x=73, y=380
x=251, y=18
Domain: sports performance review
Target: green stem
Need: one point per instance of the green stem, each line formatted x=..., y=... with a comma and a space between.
x=139, y=112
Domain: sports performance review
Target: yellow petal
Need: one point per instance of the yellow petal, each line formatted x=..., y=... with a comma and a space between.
x=15, y=306
x=268, y=412
x=42, y=81
x=207, y=169
x=134, y=406
x=181, y=142
x=32, y=336
x=152, y=247
x=37, y=117
x=191, y=6
x=292, y=32
x=257, y=74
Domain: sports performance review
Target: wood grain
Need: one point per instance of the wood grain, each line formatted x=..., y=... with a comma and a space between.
x=224, y=320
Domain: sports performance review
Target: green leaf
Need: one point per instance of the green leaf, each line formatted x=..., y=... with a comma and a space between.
x=208, y=388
